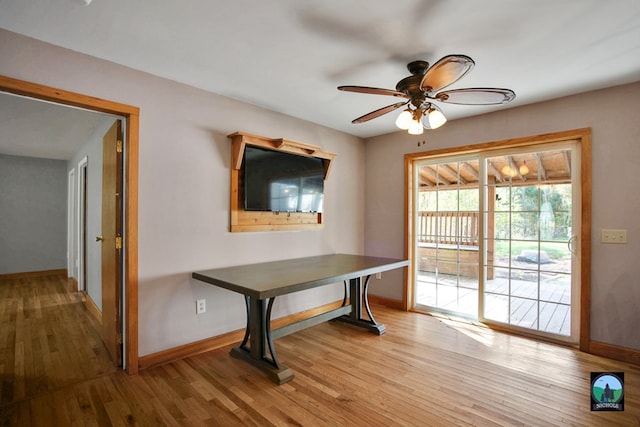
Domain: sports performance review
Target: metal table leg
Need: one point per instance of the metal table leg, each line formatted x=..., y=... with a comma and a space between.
x=358, y=296
x=258, y=335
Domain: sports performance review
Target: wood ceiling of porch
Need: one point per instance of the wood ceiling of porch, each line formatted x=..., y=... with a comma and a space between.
x=543, y=168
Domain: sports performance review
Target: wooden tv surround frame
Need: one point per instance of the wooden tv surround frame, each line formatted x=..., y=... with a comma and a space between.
x=241, y=220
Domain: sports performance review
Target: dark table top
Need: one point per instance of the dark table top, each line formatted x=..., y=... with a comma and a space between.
x=270, y=279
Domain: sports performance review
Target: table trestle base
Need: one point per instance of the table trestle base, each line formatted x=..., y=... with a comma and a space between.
x=279, y=375
x=261, y=283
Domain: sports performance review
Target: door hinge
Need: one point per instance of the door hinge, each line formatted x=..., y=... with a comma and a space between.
x=118, y=242
x=119, y=339
x=119, y=146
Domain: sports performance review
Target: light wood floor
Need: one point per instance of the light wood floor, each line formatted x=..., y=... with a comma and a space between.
x=424, y=371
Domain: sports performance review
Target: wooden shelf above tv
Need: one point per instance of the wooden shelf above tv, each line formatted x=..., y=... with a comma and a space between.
x=241, y=220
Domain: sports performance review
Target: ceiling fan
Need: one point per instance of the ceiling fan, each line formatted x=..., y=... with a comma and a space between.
x=423, y=87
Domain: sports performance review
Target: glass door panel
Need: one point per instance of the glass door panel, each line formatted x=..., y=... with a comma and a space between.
x=447, y=229
x=528, y=212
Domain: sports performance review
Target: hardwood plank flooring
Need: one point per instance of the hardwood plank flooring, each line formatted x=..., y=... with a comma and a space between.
x=425, y=371
x=47, y=339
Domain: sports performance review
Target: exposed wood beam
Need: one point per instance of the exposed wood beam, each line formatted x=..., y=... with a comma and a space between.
x=494, y=172
x=456, y=175
x=567, y=161
x=470, y=170
x=516, y=168
x=428, y=172
x=542, y=172
x=424, y=181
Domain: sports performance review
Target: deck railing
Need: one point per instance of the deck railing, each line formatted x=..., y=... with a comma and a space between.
x=449, y=228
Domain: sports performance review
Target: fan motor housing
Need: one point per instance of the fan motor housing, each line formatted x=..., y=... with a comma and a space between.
x=418, y=67
x=411, y=86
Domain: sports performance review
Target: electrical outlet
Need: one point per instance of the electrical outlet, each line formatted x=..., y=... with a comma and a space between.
x=201, y=306
x=378, y=276
x=614, y=236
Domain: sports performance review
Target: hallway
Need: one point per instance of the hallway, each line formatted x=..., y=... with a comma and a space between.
x=48, y=340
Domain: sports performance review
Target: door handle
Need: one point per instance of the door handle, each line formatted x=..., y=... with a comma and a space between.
x=571, y=244
x=99, y=238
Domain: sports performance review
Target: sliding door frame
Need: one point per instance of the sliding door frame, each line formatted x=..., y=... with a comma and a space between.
x=583, y=138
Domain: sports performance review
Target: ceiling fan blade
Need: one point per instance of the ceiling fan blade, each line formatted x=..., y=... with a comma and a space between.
x=373, y=91
x=446, y=71
x=379, y=112
x=476, y=96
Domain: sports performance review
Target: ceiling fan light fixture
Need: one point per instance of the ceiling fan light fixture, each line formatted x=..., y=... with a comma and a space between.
x=423, y=87
x=416, y=128
x=435, y=118
x=404, y=119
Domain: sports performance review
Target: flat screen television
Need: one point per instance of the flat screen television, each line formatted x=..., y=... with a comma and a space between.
x=278, y=181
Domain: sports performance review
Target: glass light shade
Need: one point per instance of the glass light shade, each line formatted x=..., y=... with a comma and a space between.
x=416, y=128
x=524, y=169
x=507, y=170
x=404, y=119
x=436, y=118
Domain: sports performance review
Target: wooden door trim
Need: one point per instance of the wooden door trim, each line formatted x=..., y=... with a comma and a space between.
x=131, y=116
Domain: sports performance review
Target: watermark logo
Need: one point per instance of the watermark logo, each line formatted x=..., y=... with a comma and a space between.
x=607, y=391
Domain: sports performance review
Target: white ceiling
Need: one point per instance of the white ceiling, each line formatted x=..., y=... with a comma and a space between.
x=290, y=55
x=42, y=129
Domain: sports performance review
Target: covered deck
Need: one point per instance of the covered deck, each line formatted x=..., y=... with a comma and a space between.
x=532, y=292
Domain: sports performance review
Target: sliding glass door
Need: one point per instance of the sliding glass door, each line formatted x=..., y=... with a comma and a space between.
x=529, y=241
x=494, y=238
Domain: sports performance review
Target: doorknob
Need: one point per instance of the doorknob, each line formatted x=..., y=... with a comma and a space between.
x=99, y=239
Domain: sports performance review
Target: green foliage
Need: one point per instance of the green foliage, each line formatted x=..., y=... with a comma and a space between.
x=449, y=200
x=523, y=214
x=556, y=251
x=534, y=212
x=599, y=391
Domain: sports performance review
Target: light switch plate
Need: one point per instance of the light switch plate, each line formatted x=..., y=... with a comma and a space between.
x=614, y=236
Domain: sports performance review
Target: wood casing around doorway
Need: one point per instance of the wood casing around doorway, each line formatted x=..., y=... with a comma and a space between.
x=131, y=115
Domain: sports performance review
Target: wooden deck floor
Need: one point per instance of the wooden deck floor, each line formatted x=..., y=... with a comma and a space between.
x=458, y=294
x=425, y=371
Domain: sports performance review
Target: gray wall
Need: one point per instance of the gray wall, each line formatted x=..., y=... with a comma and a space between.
x=33, y=214
x=612, y=114
x=184, y=184
x=184, y=191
